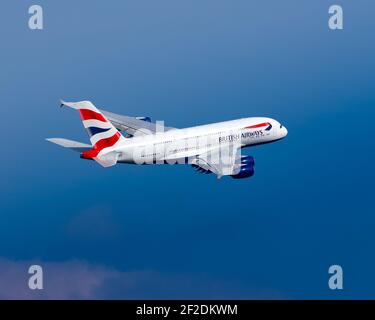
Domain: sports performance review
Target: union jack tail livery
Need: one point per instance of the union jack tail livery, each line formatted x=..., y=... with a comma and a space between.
x=102, y=132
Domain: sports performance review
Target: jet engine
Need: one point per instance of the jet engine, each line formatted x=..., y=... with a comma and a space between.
x=247, y=167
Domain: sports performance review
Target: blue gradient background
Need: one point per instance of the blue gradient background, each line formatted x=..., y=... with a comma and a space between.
x=310, y=204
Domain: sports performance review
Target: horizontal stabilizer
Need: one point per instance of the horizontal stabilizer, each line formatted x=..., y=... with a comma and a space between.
x=70, y=144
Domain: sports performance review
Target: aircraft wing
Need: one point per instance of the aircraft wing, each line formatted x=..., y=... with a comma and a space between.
x=223, y=160
x=132, y=125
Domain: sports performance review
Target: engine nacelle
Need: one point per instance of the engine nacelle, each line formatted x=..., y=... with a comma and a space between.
x=247, y=168
x=247, y=159
x=147, y=119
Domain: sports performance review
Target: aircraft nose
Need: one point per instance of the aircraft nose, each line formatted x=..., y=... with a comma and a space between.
x=284, y=132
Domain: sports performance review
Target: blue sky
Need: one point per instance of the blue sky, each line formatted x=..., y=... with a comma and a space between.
x=165, y=231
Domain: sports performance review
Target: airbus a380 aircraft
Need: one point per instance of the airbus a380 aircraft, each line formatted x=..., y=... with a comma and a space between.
x=208, y=148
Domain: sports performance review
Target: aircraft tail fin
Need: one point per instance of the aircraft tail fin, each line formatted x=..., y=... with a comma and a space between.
x=102, y=132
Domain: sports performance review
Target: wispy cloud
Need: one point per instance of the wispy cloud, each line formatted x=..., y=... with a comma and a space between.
x=62, y=280
x=81, y=280
x=97, y=222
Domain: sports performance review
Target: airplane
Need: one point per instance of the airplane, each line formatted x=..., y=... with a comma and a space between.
x=211, y=148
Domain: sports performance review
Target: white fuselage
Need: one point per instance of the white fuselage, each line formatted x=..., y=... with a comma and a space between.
x=174, y=145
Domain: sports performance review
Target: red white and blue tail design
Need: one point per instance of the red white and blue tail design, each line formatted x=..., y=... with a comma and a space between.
x=102, y=132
